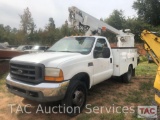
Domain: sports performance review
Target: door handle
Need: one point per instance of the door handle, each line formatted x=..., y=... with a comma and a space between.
x=110, y=60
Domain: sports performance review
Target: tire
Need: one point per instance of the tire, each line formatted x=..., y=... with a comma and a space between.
x=75, y=98
x=127, y=77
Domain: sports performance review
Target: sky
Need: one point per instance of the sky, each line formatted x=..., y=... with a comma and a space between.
x=42, y=10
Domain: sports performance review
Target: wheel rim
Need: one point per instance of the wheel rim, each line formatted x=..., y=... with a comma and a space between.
x=78, y=98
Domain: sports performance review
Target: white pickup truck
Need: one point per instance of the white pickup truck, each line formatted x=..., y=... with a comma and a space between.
x=69, y=68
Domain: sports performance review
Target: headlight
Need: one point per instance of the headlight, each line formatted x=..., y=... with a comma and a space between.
x=53, y=74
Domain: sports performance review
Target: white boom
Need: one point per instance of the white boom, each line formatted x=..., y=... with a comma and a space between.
x=91, y=25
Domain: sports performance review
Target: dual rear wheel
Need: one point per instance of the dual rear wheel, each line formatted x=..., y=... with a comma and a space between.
x=127, y=77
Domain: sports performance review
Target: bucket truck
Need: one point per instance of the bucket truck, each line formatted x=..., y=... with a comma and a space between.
x=68, y=69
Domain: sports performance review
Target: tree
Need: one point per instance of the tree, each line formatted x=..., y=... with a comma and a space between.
x=137, y=26
x=7, y=28
x=50, y=31
x=14, y=30
x=32, y=27
x=27, y=23
x=116, y=19
x=51, y=26
x=65, y=29
x=148, y=11
x=2, y=32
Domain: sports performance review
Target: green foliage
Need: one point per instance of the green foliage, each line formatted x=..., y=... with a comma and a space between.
x=143, y=58
x=148, y=11
x=137, y=26
x=116, y=19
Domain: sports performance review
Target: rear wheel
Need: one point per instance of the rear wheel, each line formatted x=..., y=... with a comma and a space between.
x=128, y=75
x=75, y=98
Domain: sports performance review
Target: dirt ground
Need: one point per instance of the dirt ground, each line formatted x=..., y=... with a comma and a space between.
x=4, y=66
x=108, y=93
x=111, y=92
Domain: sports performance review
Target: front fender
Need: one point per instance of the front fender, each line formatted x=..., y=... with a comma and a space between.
x=71, y=70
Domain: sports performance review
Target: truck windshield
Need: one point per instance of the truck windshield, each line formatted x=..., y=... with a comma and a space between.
x=81, y=45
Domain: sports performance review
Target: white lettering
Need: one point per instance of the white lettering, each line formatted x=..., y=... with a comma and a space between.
x=25, y=110
x=39, y=109
x=88, y=108
x=19, y=109
x=11, y=105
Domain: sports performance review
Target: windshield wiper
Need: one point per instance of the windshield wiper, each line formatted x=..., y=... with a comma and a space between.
x=71, y=51
x=65, y=51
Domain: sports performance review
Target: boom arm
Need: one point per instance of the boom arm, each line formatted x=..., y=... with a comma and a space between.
x=90, y=25
x=86, y=22
x=152, y=45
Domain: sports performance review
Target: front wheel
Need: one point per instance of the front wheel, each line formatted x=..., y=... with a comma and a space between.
x=128, y=75
x=75, y=98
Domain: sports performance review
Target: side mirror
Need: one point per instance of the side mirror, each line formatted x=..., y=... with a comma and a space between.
x=106, y=52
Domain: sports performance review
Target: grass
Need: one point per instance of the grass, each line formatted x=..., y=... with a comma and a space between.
x=119, y=116
x=143, y=95
x=101, y=116
x=146, y=86
x=134, y=96
x=2, y=79
x=2, y=83
x=143, y=58
x=134, y=116
x=146, y=69
x=86, y=116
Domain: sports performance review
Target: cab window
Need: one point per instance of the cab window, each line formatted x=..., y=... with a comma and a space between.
x=100, y=45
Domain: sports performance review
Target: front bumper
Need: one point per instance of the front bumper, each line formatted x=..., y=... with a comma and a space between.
x=43, y=92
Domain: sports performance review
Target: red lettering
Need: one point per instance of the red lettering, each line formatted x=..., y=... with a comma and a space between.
x=141, y=109
x=146, y=111
x=152, y=111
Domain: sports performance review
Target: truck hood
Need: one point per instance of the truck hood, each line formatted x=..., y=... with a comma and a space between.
x=49, y=59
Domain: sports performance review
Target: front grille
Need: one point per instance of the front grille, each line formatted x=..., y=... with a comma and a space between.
x=30, y=73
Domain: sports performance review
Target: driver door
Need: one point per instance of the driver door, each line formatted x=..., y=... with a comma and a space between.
x=102, y=66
